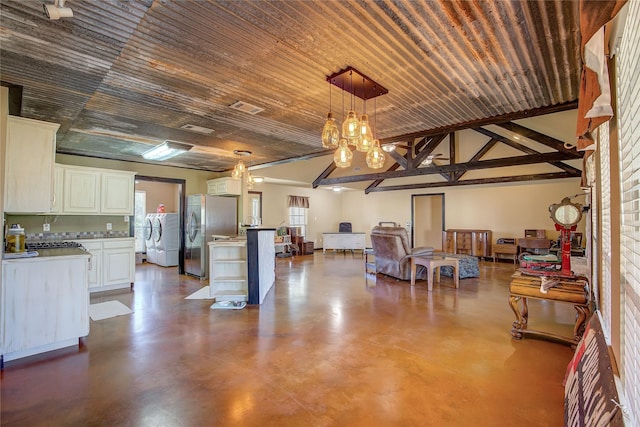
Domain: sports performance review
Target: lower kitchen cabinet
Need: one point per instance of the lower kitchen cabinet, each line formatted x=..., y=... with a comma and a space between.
x=112, y=264
x=45, y=304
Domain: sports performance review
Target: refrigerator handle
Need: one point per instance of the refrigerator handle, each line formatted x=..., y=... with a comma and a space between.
x=192, y=229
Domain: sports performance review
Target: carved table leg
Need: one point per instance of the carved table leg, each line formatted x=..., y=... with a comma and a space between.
x=521, y=321
x=583, y=315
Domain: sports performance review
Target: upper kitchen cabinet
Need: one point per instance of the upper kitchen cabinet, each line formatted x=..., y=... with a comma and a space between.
x=29, y=165
x=81, y=190
x=117, y=193
x=94, y=191
x=224, y=187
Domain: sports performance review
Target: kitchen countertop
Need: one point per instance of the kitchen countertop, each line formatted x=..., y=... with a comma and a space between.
x=47, y=253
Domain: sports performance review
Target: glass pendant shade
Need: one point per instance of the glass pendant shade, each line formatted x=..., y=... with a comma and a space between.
x=366, y=135
x=375, y=156
x=351, y=128
x=330, y=132
x=238, y=170
x=250, y=181
x=343, y=155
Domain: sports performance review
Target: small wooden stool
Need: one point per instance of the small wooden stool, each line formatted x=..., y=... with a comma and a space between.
x=433, y=266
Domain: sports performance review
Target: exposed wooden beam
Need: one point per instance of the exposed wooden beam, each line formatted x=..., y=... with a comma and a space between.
x=483, y=122
x=481, y=152
x=483, y=164
x=324, y=174
x=496, y=180
x=547, y=140
x=528, y=150
x=377, y=182
x=428, y=149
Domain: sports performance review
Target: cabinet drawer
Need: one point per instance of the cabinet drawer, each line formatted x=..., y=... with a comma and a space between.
x=118, y=244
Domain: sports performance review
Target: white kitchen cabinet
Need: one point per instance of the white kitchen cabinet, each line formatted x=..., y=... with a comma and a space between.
x=224, y=187
x=343, y=241
x=95, y=263
x=28, y=168
x=94, y=191
x=81, y=190
x=117, y=193
x=228, y=270
x=112, y=263
x=45, y=304
x=58, y=189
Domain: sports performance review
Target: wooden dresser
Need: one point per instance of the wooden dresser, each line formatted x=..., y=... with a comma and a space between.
x=469, y=242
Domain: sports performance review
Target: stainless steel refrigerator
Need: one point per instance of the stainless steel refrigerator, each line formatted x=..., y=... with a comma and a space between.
x=206, y=216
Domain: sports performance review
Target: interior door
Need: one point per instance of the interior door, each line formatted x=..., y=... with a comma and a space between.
x=427, y=211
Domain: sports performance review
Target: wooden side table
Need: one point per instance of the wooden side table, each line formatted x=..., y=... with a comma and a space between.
x=433, y=265
x=505, y=249
x=569, y=290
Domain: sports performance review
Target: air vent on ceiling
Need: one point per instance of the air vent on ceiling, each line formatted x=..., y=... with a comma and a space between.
x=247, y=108
x=199, y=129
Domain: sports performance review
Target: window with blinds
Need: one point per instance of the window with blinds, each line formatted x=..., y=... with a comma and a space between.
x=605, y=227
x=627, y=71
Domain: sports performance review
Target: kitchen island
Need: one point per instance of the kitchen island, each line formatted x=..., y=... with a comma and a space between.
x=44, y=302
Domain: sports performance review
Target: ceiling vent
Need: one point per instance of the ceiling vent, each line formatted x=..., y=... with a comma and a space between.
x=247, y=108
x=198, y=129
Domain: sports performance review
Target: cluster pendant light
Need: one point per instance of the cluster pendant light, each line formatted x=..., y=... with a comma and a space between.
x=355, y=132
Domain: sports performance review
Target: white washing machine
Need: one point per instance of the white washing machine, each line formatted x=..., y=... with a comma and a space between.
x=149, y=241
x=167, y=238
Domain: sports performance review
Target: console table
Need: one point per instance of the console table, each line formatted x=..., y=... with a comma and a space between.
x=343, y=241
x=569, y=290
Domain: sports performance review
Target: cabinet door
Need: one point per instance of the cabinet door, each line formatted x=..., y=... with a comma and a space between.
x=118, y=265
x=95, y=263
x=28, y=168
x=44, y=302
x=58, y=189
x=81, y=191
x=117, y=194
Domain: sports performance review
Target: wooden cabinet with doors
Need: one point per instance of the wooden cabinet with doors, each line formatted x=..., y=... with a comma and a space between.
x=469, y=242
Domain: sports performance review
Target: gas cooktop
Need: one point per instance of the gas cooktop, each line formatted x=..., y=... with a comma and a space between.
x=34, y=246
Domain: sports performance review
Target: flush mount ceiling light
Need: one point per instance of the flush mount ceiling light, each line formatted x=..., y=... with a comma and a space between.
x=356, y=132
x=166, y=150
x=57, y=10
x=197, y=129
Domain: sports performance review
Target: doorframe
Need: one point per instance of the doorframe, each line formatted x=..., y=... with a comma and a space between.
x=182, y=199
x=413, y=206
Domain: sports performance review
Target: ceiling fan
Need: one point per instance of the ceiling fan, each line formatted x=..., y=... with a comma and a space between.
x=431, y=158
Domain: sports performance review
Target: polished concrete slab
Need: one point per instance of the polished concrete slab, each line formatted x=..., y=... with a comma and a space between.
x=331, y=346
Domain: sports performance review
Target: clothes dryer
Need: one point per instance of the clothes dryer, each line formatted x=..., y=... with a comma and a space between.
x=167, y=240
x=149, y=241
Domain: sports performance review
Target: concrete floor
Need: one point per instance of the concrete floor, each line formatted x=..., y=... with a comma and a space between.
x=331, y=346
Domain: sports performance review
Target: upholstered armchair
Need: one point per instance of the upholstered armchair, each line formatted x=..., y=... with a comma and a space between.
x=392, y=252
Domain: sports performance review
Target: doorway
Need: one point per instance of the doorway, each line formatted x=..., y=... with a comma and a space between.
x=427, y=212
x=169, y=192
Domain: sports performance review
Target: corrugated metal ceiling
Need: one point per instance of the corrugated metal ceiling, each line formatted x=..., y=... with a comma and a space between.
x=121, y=76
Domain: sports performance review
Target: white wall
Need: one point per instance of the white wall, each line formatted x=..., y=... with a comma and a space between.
x=507, y=209
x=325, y=208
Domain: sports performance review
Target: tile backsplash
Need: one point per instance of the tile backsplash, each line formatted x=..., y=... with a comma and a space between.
x=72, y=235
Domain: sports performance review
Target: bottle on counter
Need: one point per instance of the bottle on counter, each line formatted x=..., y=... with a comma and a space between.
x=15, y=239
